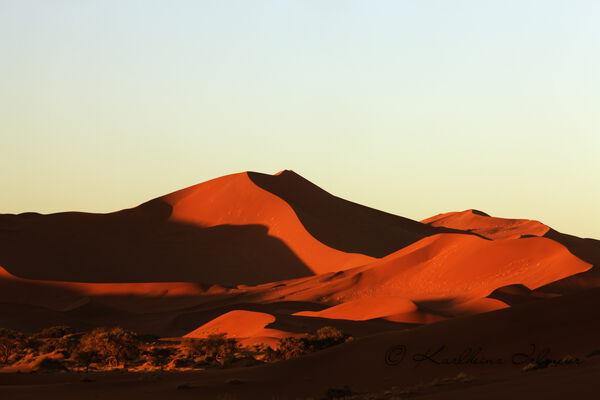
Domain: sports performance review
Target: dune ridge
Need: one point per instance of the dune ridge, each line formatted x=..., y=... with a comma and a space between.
x=263, y=257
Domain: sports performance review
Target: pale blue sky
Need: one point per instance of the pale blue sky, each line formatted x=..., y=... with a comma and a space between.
x=412, y=107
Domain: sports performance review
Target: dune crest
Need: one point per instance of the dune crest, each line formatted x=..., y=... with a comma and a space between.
x=246, y=326
x=487, y=226
x=237, y=200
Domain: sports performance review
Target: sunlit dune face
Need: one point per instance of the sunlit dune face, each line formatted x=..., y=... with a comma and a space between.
x=487, y=226
x=236, y=200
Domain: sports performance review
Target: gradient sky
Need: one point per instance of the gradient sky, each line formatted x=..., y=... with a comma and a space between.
x=412, y=107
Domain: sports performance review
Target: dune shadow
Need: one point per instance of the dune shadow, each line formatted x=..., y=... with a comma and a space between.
x=342, y=224
x=514, y=294
x=142, y=245
x=305, y=324
x=587, y=250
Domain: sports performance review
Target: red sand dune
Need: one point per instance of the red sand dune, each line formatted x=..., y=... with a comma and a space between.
x=249, y=327
x=245, y=228
x=487, y=226
x=446, y=274
x=260, y=257
x=237, y=200
x=441, y=276
x=482, y=224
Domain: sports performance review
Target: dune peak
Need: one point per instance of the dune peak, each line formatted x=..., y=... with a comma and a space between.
x=285, y=172
x=477, y=212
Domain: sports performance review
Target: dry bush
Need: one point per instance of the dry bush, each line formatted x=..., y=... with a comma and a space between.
x=67, y=344
x=216, y=349
x=54, y=332
x=328, y=336
x=86, y=358
x=159, y=356
x=50, y=364
x=113, y=346
x=292, y=347
x=11, y=342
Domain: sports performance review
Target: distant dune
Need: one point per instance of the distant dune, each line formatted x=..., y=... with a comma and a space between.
x=487, y=226
x=494, y=228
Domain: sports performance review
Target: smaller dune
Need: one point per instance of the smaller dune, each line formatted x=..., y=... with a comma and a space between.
x=490, y=227
x=249, y=327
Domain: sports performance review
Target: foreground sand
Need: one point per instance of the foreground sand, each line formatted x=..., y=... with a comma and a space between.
x=505, y=337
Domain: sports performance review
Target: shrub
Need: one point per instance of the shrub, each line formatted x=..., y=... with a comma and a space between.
x=85, y=358
x=215, y=349
x=66, y=344
x=50, y=364
x=160, y=356
x=113, y=345
x=54, y=332
x=292, y=347
x=11, y=342
x=328, y=336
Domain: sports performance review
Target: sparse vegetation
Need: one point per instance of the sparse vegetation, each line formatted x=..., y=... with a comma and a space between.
x=113, y=346
x=54, y=332
x=10, y=343
x=61, y=347
x=216, y=349
x=292, y=347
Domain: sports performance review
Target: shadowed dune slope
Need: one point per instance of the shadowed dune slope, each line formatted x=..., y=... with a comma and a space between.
x=245, y=228
x=142, y=245
x=342, y=224
x=439, y=277
x=237, y=200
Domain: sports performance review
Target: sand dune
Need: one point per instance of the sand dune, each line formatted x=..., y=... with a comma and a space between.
x=245, y=228
x=261, y=257
x=487, y=226
x=237, y=200
x=482, y=224
x=342, y=224
x=446, y=275
x=438, y=277
x=505, y=228
x=249, y=327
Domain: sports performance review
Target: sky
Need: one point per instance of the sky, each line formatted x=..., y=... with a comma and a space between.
x=411, y=107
